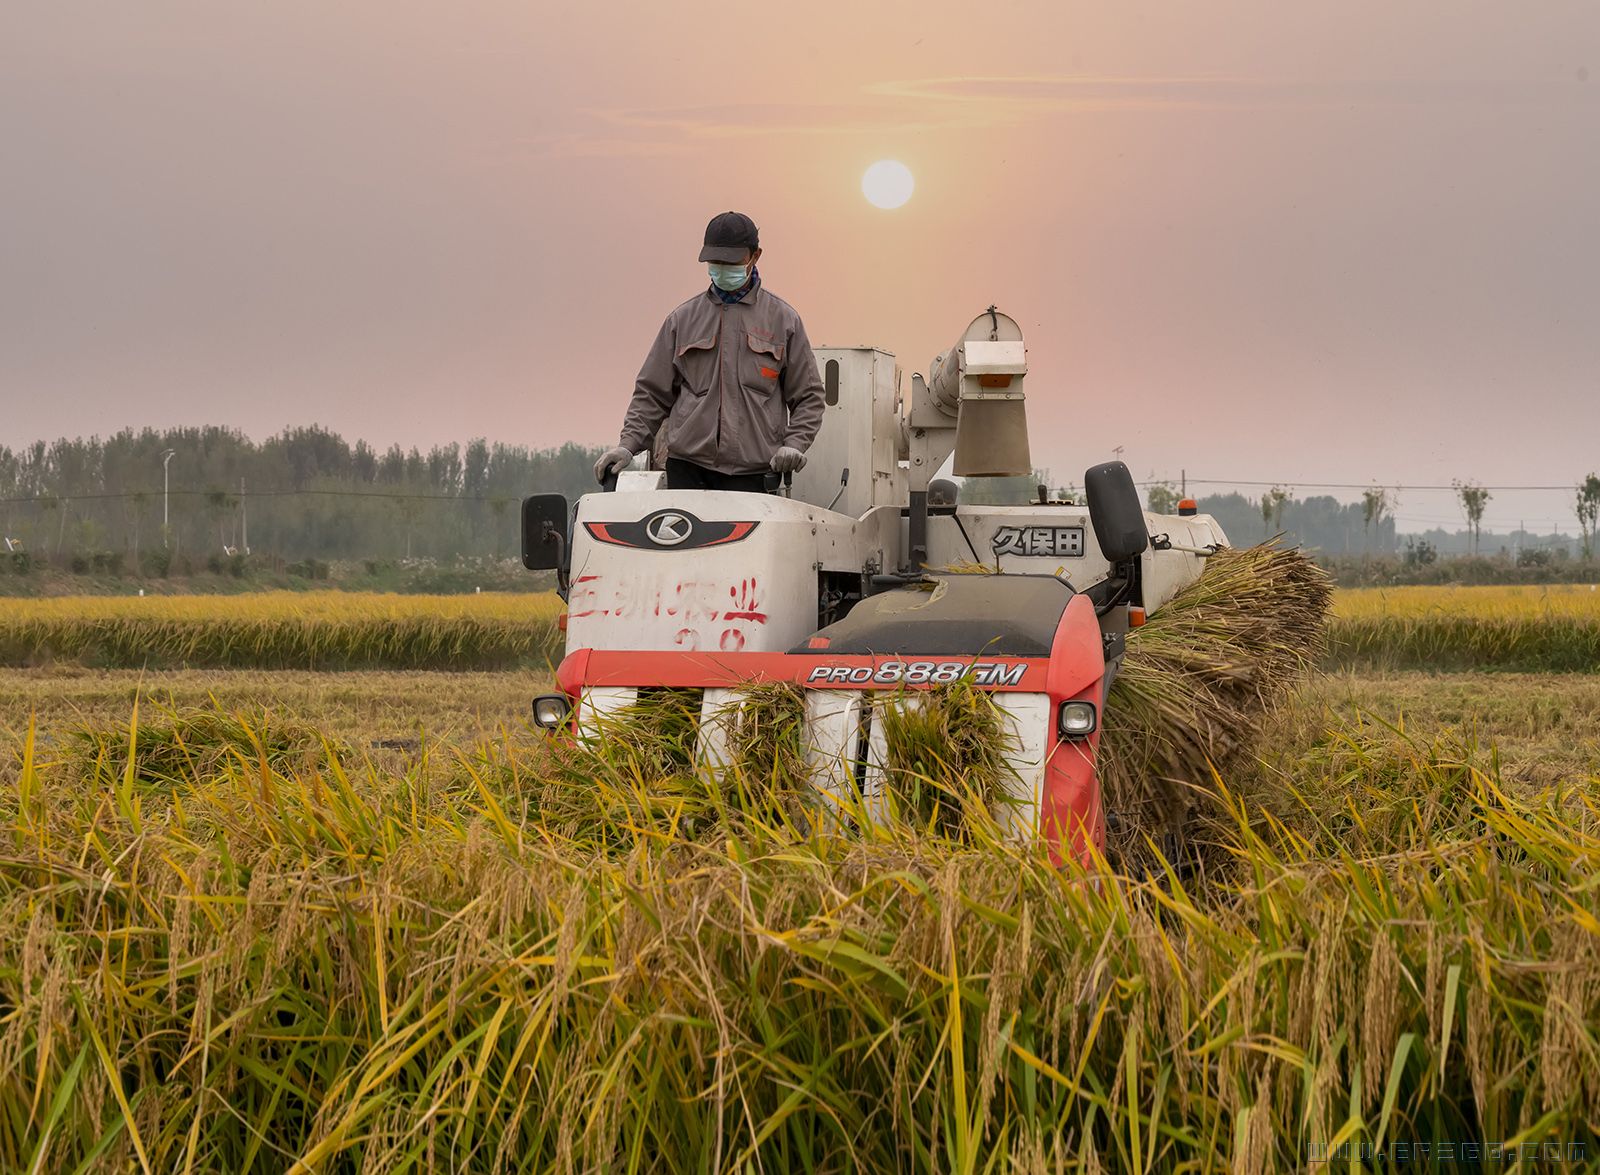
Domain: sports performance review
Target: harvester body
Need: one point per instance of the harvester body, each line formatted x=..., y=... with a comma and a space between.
x=867, y=582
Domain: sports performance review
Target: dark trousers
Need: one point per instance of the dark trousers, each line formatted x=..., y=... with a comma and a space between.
x=686, y=475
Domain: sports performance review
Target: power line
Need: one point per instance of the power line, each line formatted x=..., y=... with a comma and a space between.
x=411, y=494
x=1337, y=485
x=152, y=494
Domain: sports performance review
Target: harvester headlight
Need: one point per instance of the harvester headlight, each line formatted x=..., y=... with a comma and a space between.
x=1076, y=719
x=551, y=710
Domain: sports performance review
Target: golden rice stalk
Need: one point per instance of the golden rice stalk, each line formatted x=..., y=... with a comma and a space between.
x=1199, y=679
x=380, y=972
x=767, y=746
x=655, y=736
x=947, y=757
x=171, y=743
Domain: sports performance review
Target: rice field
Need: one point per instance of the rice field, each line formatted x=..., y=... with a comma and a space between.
x=259, y=919
x=284, y=607
x=1552, y=628
x=1511, y=602
x=281, y=630
x=1528, y=629
x=230, y=941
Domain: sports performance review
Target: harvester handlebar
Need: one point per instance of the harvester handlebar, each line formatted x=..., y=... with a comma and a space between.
x=771, y=481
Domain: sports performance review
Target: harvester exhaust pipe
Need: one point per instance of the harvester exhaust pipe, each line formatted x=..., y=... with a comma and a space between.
x=979, y=381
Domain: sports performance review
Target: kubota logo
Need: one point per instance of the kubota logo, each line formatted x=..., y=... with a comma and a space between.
x=668, y=530
x=1032, y=541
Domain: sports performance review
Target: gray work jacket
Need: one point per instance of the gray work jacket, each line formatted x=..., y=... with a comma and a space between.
x=735, y=381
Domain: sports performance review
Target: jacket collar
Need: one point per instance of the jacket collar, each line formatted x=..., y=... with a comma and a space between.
x=751, y=295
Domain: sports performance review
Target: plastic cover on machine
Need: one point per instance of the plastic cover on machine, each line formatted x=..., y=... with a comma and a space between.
x=955, y=616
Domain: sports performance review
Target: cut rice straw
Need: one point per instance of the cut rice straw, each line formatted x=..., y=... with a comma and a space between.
x=1199, y=680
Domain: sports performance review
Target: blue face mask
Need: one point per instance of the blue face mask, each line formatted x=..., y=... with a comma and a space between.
x=728, y=277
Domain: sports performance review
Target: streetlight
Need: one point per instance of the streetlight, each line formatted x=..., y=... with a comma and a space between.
x=165, y=483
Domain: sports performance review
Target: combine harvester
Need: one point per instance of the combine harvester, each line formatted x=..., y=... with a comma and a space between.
x=857, y=582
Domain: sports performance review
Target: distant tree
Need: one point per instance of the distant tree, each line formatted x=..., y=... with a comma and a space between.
x=500, y=506
x=1161, y=498
x=1420, y=552
x=409, y=508
x=392, y=465
x=136, y=505
x=1375, y=504
x=364, y=462
x=219, y=503
x=1004, y=491
x=51, y=502
x=1272, y=503
x=1474, y=498
x=1588, y=511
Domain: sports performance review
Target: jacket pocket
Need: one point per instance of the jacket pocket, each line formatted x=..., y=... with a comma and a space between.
x=696, y=365
x=760, y=363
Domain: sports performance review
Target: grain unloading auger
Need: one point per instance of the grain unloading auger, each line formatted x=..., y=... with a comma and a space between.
x=845, y=584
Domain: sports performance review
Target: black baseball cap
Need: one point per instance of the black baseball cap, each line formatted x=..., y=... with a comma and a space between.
x=728, y=236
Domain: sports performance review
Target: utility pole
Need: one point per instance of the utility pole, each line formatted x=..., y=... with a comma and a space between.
x=165, y=486
x=244, y=521
x=1183, y=483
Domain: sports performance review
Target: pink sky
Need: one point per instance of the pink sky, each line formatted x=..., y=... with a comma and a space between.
x=1310, y=242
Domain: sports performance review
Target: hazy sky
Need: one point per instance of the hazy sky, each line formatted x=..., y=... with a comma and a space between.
x=1308, y=242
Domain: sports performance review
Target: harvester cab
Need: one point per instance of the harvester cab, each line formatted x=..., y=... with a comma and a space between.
x=868, y=581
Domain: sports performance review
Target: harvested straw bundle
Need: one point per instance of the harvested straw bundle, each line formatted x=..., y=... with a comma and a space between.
x=629, y=778
x=656, y=734
x=946, y=757
x=1200, y=678
x=169, y=742
x=637, y=772
x=767, y=746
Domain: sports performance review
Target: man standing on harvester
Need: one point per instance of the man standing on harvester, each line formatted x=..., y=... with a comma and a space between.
x=731, y=373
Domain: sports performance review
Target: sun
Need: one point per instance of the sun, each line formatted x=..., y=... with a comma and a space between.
x=888, y=183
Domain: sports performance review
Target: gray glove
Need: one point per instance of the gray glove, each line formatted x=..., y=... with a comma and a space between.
x=787, y=460
x=612, y=461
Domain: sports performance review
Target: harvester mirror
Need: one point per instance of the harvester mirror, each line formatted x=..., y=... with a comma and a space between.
x=544, y=532
x=1115, y=511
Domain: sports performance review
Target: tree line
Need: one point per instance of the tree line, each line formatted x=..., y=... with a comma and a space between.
x=151, y=496
x=1367, y=527
x=139, y=500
